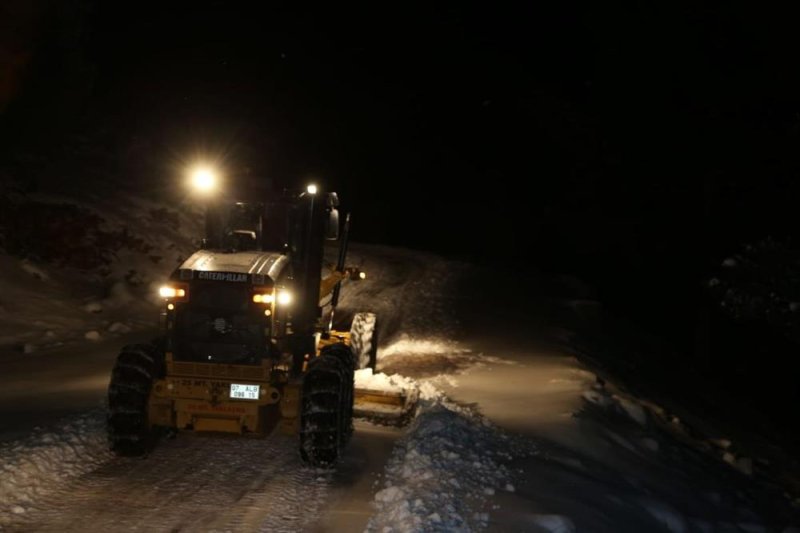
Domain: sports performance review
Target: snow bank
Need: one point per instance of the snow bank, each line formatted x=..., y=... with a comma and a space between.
x=37, y=465
x=95, y=263
x=554, y=523
x=444, y=471
x=34, y=270
x=666, y=516
x=629, y=407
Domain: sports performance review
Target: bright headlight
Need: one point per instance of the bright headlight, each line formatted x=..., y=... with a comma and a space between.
x=171, y=292
x=167, y=292
x=204, y=179
x=284, y=297
x=262, y=298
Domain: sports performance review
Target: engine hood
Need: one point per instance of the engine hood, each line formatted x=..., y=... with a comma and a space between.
x=252, y=265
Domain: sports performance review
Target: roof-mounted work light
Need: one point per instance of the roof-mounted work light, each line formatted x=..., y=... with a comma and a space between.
x=203, y=179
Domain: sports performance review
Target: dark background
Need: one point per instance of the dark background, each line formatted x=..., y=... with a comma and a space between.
x=463, y=127
x=635, y=146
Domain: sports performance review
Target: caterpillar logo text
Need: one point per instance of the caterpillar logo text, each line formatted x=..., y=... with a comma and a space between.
x=222, y=276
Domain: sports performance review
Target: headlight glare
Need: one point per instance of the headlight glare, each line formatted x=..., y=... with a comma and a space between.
x=168, y=291
x=284, y=297
x=260, y=298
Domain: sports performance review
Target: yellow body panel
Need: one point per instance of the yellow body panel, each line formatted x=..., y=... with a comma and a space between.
x=226, y=425
x=197, y=396
x=290, y=410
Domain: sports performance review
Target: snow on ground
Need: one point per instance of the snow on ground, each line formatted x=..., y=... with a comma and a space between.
x=504, y=438
x=444, y=472
x=587, y=456
x=190, y=483
x=32, y=468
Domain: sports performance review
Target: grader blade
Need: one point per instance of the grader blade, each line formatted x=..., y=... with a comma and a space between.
x=393, y=408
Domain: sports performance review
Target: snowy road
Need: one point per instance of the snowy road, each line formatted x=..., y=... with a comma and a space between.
x=62, y=478
x=512, y=434
x=39, y=389
x=197, y=483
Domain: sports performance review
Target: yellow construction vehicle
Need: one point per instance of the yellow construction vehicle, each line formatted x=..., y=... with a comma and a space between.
x=246, y=346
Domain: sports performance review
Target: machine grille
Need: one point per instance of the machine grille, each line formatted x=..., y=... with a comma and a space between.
x=248, y=372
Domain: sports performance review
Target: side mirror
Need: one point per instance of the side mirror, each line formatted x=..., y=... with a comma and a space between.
x=332, y=224
x=332, y=200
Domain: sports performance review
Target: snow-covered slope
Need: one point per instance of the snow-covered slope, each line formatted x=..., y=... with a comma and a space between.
x=73, y=271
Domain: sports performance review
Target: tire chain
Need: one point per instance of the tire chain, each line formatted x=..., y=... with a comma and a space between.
x=327, y=412
x=128, y=392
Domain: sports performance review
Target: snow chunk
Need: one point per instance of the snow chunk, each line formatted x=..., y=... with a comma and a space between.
x=33, y=270
x=666, y=516
x=119, y=327
x=29, y=348
x=744, y=465
x=634, y=410
x=389, y=494
x=729, y=458
x=650, y=444
x=721, y=443
x=554, y=523
x=730, y=262
x=93, y=307
x=92, y=335
x=597, y=398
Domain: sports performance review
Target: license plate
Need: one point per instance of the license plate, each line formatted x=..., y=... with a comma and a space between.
x=244, y=392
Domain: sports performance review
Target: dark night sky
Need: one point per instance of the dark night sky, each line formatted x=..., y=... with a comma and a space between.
x=474, y=127
x=623, y=143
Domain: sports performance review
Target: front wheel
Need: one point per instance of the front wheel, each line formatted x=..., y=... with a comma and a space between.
x=344, y=354
x=129, y=431
x=327, y=407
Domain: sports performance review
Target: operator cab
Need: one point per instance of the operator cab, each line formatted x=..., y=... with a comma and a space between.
x=254, y=284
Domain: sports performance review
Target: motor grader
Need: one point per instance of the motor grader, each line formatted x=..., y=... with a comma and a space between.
x=248, y=345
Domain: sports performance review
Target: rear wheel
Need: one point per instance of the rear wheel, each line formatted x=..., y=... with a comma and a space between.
x=129, y=431
x=364, y=340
